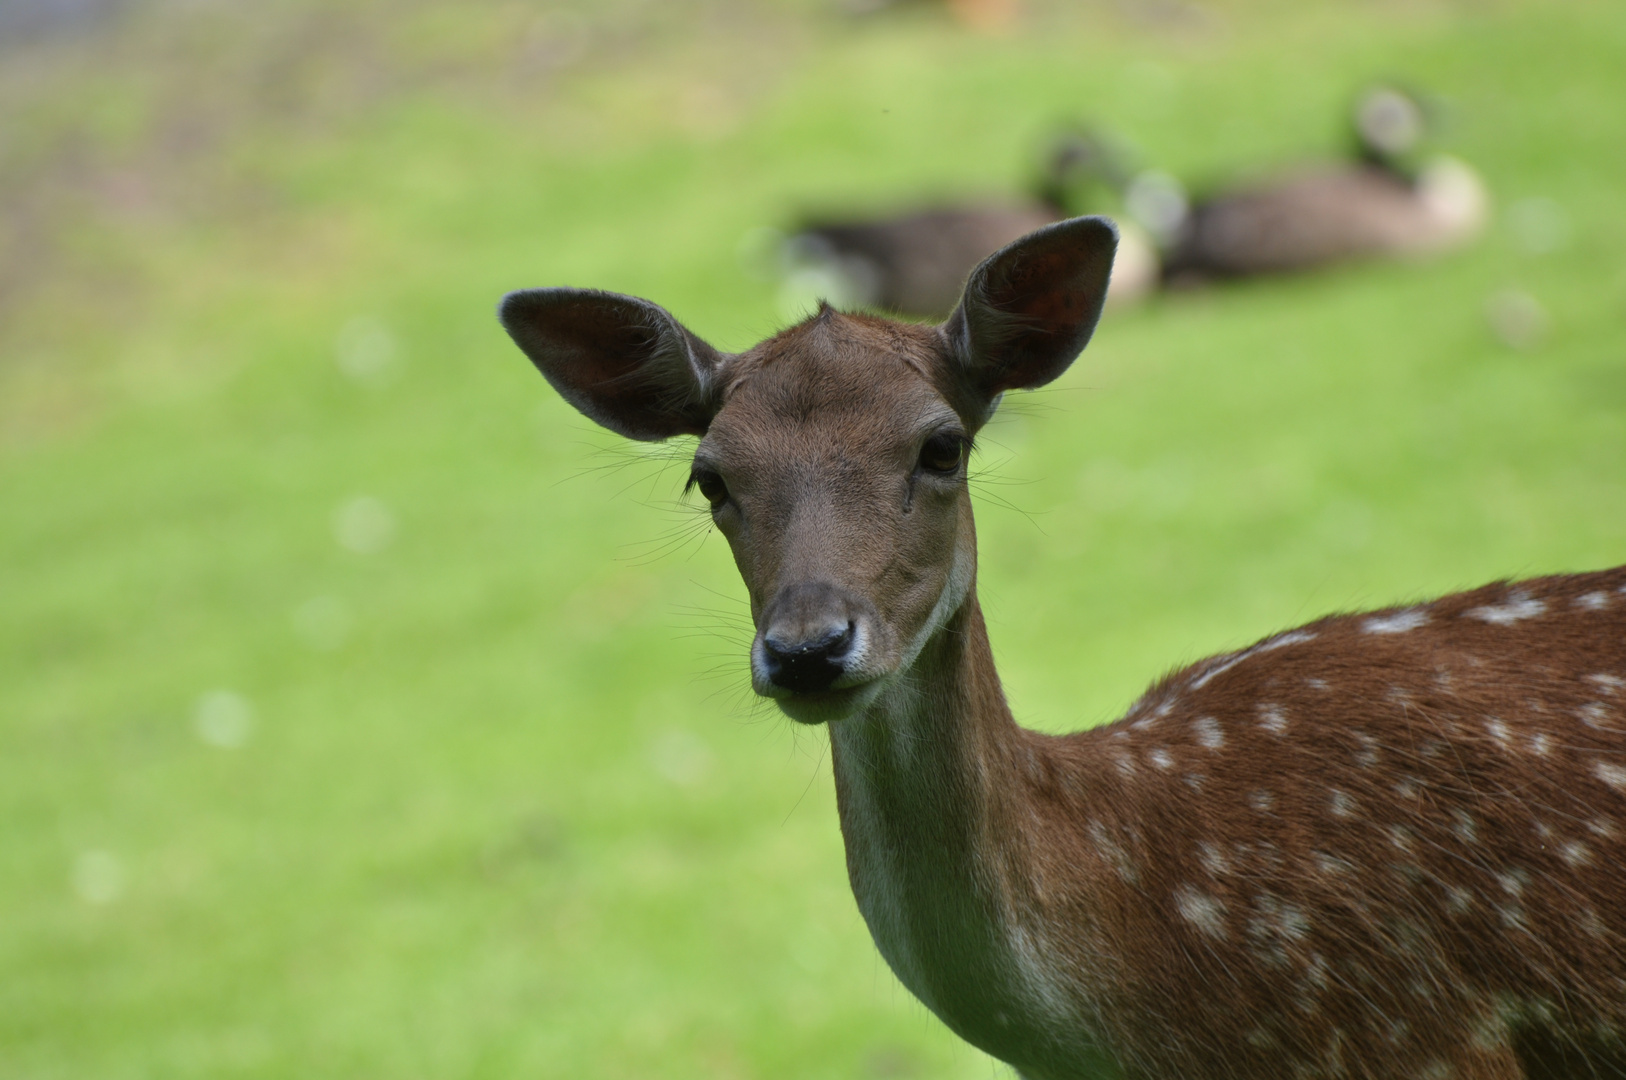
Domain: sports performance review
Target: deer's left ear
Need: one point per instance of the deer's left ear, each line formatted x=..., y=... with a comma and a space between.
x=1029, y=308
x=624, y=362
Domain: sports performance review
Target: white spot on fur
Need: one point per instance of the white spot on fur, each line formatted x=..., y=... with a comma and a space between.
x=1400, y=837
x=1213, y=859
x=1201, y=910
x=1592, y=924
x=1457, y=899
x=1518, y=606
x=1602, y=827
x=1609, y=683
x=1341, y=804
x=1113, y=852
x=1593, y=715
x=1330, y=864
x=1292, y=637
x=1397, y=623
x=1465, y=827
x=1513, y=881
x=1498, y=731
x=1540, y=744
x=1576, y=853
x=1593, y=601
x=1209, y=732
x=1367, y=755
x=1272, y=719
x=1125, y=764
x=1262, y=801
x=1161, y=758
x=1613, y=775
x=1408, y=787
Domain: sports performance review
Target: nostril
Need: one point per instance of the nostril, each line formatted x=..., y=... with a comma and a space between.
x=808, y=663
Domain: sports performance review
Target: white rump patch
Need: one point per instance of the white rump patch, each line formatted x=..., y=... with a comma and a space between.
x=1272, y=719
x=1201, y=910
x=1397, y=623
x=1613, y=775
x=1517, y=607
x=1208, y=732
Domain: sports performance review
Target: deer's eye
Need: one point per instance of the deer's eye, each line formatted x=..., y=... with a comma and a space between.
x=944, y=453
x=711, y=486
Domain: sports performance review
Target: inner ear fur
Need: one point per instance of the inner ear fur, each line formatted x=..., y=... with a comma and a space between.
x=624, y=362
x=1030, y=308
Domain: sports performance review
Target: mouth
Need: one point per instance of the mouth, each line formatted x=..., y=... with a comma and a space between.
x=823, y=706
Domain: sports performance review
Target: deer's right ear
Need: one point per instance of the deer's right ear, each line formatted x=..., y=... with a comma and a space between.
x=624, y=362
x=1029, y=308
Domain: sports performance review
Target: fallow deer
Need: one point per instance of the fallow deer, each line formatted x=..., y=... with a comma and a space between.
x=1385, y=204
x=1387, y=845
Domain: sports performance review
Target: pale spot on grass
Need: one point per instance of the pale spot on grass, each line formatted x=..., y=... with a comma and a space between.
x=223, y=718
x=98, y=877
x=364, y=525
x=681, y=757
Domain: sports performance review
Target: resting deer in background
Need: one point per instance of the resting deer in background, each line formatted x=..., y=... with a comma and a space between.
x=1389, y=845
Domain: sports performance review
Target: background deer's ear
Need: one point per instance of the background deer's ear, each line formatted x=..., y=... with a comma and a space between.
x=1029, y=308
x=624, y=362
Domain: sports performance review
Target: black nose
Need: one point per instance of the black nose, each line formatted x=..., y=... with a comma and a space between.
x=810, y=664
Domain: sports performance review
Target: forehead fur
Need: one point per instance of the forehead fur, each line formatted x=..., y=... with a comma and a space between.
x=834, y=363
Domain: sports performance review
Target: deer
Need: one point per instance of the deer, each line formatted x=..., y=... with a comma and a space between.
x=1389, y=844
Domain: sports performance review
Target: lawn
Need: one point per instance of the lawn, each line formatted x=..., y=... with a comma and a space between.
x=365, y=712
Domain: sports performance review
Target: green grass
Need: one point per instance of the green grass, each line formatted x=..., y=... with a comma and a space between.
x=521, y=819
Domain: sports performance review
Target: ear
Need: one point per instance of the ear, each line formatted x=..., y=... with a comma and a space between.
x=1029, y=308
x=624, y=362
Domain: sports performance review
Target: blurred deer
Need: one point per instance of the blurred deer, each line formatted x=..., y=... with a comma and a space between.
x=1388, y=845
x=1390, y=201
x=916, y=262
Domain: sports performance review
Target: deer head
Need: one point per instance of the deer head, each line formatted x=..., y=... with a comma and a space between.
x=833, y=454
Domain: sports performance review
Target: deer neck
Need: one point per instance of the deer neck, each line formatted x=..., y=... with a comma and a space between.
x=931, y=785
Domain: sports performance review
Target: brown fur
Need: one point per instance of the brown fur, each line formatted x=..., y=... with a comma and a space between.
x=1387, y=845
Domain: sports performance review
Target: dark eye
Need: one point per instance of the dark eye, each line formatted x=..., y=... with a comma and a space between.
x=944, y=453
x=711, y=486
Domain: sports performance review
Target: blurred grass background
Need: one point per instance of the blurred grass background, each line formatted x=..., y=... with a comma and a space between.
x=355, y=719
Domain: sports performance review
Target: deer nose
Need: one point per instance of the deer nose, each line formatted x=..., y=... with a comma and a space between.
x=809, y=661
